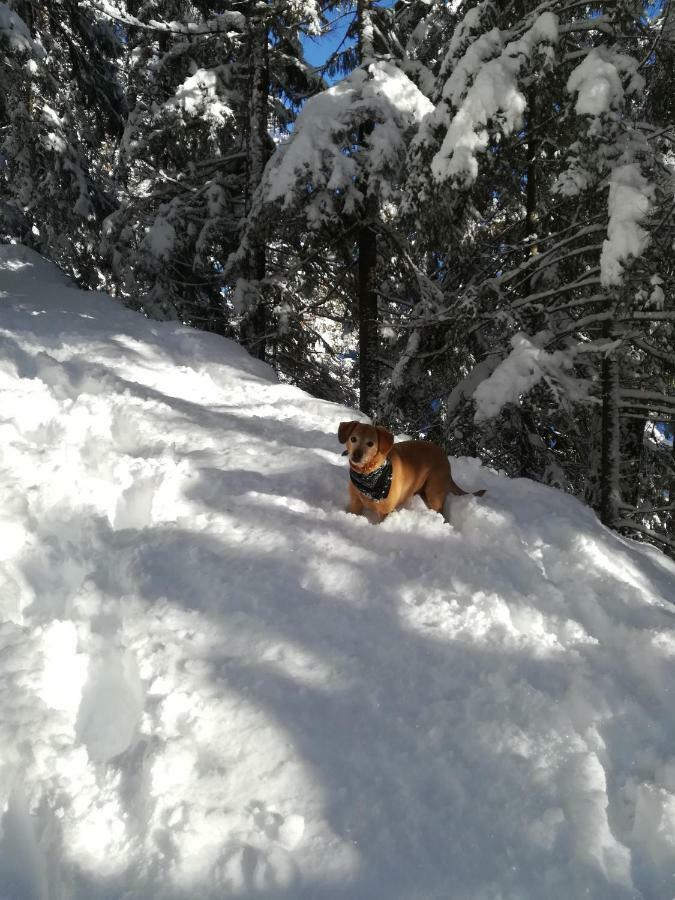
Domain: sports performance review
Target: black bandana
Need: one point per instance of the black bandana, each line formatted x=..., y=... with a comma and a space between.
x=376, y=484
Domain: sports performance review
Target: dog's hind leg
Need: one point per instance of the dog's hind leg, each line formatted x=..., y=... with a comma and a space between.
x=434, y=493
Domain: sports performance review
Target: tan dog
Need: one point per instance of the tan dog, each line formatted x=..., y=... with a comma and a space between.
x=383, y=475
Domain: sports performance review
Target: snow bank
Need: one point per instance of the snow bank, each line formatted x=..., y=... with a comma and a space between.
x=214, y=682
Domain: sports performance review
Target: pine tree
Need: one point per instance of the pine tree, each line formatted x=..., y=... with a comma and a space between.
x=62, y=108
x=206, y=87
x=338, y=179
x=472, y=232
x=539, y=149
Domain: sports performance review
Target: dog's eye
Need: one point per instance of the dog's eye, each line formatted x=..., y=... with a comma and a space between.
x=353, y=440
x=370, y=443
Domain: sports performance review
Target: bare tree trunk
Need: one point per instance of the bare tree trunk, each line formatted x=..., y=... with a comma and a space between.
x=527, y=431
x=257, y=324
x=671, y=485
x=610, y=461
x=530, y=445
x=532, y=216
x=368, y=319
x=632, y=444
x=594, y=447
x=366, y=242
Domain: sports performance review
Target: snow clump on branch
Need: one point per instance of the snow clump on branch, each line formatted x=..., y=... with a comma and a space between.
x=630, y=201
x=525, y=366
x=320, y=159
x=494, y=96
x=601, y=80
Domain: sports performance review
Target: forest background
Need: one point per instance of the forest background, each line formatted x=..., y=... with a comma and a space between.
x=457, y=216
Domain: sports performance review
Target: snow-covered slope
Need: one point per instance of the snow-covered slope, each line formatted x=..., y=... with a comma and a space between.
x=216, y=683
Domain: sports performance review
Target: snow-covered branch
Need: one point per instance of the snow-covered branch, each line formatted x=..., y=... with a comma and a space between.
x=222, y=24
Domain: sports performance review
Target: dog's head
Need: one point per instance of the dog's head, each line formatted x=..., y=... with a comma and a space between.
x=367, y=445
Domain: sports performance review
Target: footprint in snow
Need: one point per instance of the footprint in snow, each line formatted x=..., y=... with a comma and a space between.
x=111, y=706
x=245, y=865
x=287, y=831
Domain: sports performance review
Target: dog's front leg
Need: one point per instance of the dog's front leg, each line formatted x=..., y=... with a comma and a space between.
x=382, y=510
x=356, y=506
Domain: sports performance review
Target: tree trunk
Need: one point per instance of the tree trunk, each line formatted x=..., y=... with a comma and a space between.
x=670, y=527
x=366, y=247
x=528, y=442
x=594, y=454
x=527, y=430
x=632, y=443
x=364, y=31
x=610, y=459
x=532, y=217
x=257, y=324
x=368, y=319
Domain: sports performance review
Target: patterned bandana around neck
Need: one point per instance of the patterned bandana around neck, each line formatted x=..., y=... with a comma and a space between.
x=374, y=485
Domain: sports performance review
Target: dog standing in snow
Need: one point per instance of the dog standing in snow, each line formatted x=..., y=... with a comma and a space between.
x=383, y=475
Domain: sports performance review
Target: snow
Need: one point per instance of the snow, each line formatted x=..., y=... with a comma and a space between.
x=575, y=179
x=471, y=22
x=200, y=96
x=319, y=153
x=493, y=95
x=480, y=51
x=14, y=30
x=215, y=682
x=599, y=80
x=160, y=237
x=222, y=22
x=630, y=201
x=525, y=366
x=657, y=298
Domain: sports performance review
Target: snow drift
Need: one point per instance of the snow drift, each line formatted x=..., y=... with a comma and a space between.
x=214, y=682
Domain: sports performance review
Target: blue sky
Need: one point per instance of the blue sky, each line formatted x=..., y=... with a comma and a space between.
x=318, y=50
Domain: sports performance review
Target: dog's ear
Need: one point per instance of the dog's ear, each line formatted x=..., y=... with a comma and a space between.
x=385, y=440
x=345, y=430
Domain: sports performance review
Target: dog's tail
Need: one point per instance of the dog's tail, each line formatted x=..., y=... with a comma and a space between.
x=458, y=492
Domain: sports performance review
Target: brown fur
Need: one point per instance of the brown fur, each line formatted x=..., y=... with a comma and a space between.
x=418, y=467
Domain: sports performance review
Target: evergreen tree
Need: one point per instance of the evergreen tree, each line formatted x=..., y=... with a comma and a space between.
x=472, y=232
x=338, y=179
x=61, y=111
x=539, y=148
x=206, y=87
